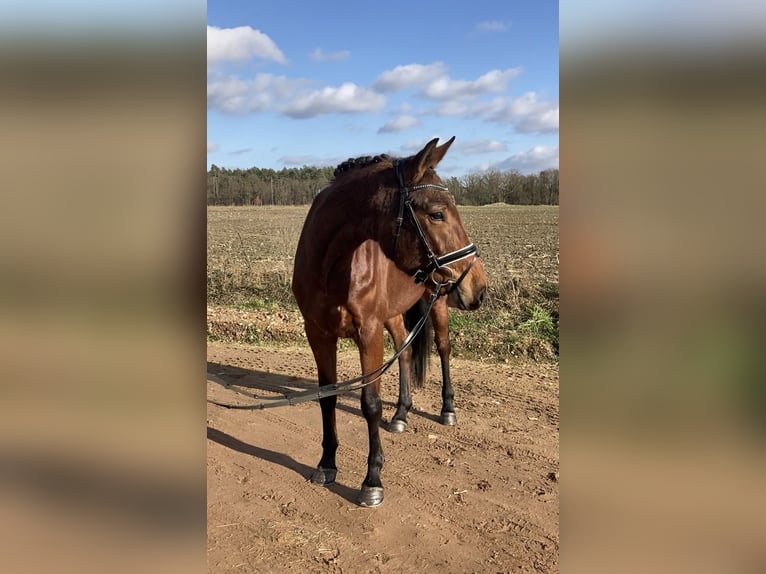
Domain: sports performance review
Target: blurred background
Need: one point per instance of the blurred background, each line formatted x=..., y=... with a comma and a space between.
x=663, y=276
x=102, y=250
x=102, y=341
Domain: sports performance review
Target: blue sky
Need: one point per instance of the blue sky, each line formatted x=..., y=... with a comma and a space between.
x=313, y=83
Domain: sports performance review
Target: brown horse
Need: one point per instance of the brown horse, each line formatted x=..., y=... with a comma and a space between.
x=385, y=232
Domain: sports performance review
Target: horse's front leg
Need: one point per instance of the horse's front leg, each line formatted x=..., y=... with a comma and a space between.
x=440, y=320
x=370, y=342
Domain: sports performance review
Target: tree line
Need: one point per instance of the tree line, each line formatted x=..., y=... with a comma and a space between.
x=298, y=186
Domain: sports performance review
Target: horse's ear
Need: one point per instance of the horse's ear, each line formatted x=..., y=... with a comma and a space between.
x=440, y=151
x=429, y=156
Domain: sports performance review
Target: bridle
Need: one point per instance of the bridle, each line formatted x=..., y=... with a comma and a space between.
x=435, y=263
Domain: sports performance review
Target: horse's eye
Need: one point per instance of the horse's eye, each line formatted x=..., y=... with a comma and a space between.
x=436, y=216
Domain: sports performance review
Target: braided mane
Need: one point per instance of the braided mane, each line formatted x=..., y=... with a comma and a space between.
x=353, y=163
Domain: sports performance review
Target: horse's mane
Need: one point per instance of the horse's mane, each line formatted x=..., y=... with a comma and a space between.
x=353, y=163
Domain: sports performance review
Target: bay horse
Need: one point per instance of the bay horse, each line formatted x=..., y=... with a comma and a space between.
x=366, y=255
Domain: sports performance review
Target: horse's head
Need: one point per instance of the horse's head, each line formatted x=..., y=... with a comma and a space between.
x=430, y=236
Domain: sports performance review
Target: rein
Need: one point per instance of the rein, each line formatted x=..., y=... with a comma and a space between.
x=354, y=384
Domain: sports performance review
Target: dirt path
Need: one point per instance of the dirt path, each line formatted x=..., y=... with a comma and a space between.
x=479, y=497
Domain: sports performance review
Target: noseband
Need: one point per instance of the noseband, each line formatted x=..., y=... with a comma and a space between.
x=435, y=263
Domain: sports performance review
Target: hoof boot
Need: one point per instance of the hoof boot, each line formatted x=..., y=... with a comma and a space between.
x=370, y=496
x=324, y=475
x=448, y=419
x=397, y=426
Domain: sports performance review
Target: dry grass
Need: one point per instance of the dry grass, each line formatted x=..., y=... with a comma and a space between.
x=250, y=259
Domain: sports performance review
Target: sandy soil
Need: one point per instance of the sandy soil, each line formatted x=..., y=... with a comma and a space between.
x=482, y=496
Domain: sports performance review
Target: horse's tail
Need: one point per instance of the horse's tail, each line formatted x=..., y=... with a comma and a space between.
x=421, y=346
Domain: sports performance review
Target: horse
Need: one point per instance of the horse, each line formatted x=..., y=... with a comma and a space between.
x=366, y=255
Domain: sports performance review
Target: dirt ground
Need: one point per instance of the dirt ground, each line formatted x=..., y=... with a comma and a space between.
x=482, y=496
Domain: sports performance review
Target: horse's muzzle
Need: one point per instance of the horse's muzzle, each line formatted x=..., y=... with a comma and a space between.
x=460, y=299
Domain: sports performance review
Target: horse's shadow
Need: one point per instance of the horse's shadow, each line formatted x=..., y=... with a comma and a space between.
x=263, y=385
x=226, y=375
x=254, y=381
x=279, y=458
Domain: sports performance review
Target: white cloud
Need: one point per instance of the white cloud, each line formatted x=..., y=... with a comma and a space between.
x=347, y=98
x=300, y=98
x=480, y=146
x=409, y=76
x=493, y=81
x=533, y=160
x=265, y=92
x=399, y=124
x=527, y=112
x=240, y=44
x=320, y=55
x=492, y=26
x=434, y=82
x=544, y=120
x=292, y=97
x=241, y=151
x=308, y=160
x=212, y=147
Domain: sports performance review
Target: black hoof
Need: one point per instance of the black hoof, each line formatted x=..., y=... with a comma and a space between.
x=324, y=475
x=448, y=419
x=397, y=426
x=370, y=496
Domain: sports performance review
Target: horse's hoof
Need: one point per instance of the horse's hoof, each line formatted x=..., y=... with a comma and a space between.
x=397, y=426
x=370, y=496
x=324, y=475
x=448, y=419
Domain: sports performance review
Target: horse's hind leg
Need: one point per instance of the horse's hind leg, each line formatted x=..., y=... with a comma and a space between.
x=370, y=343
x=325, y=351
x=440, y=320
x=395, y=327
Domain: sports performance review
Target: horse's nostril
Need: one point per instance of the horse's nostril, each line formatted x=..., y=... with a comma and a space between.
x=482, y=293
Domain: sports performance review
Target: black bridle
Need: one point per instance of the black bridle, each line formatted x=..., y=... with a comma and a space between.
x=435, y=263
